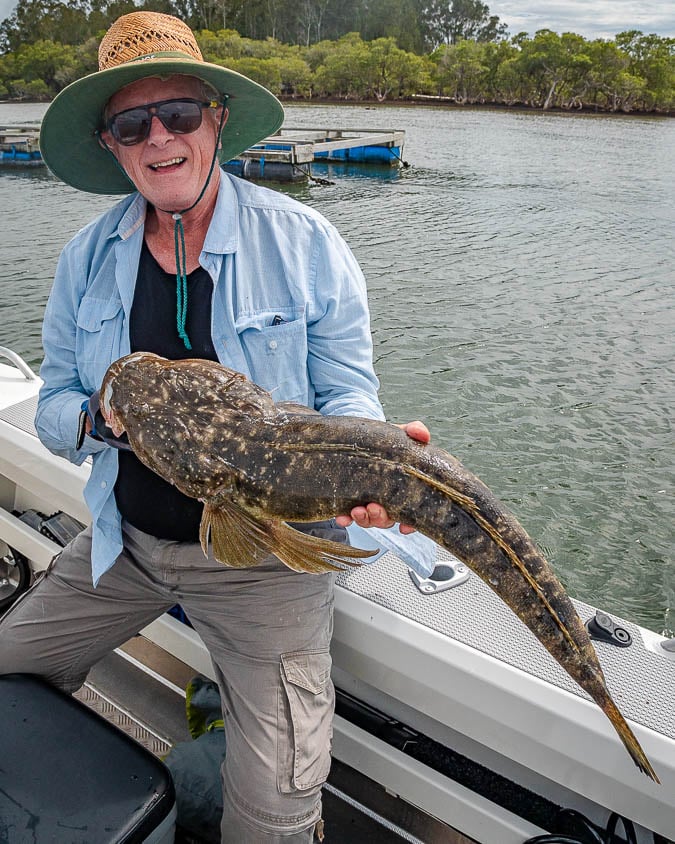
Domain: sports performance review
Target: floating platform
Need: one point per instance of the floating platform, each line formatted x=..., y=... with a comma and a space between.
x=287, y=156
x=20, y=145
x=284, y=157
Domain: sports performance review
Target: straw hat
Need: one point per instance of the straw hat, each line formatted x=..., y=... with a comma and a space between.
x=138, y=45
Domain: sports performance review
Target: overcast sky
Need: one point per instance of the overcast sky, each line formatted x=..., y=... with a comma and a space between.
x=590, y=18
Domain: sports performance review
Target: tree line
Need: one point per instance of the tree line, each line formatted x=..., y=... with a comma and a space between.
x=453, y=50
x=417, y=25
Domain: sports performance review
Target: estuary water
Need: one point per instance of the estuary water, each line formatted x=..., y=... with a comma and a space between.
x=521, y=274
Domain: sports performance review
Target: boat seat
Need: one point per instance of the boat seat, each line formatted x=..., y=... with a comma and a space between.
x=67, y=776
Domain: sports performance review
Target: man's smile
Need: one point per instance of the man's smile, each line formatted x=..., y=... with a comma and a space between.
x=171, y=162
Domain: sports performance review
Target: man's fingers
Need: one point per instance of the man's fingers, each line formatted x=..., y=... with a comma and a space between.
x=417, y=431
x=375, y=515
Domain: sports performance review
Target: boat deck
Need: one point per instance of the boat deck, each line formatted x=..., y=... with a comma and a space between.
x=139, y=688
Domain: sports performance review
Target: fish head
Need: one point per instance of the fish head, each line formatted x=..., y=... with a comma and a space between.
x=124, y=385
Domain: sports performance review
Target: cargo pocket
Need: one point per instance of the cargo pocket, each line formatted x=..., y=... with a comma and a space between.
x=305, y=716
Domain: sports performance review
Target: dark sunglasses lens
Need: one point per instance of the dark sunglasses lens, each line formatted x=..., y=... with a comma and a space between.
x=130, y=127
x=181, y=117
x=133, y=126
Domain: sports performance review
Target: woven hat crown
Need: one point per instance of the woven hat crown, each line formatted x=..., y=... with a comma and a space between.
x=140, y=34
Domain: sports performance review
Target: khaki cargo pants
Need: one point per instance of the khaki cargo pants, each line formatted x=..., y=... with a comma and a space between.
x=267, y=630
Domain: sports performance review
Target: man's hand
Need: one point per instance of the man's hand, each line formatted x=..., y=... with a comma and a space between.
x=94, y=425
x=374, y=515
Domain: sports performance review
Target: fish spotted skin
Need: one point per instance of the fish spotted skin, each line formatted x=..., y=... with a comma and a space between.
x=257, y=466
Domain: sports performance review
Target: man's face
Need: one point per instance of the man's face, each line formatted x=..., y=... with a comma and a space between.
x=169, y=169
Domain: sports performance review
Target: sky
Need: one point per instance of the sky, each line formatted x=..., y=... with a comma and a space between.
x=590, y=18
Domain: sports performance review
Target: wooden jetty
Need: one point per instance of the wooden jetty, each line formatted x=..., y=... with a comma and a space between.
x=286, y=156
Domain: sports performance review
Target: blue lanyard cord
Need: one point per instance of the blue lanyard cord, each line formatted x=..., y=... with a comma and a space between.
x=179, y=237
x=179, y=234
x=181, y=280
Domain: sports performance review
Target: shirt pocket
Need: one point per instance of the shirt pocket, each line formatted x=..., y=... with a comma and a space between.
x=306, y=704
x=98, y=339
x=276, y=354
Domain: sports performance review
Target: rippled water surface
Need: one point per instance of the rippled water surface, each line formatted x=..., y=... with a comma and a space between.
x=521, y=277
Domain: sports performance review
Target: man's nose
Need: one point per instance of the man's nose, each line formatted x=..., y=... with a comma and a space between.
x=158, y=131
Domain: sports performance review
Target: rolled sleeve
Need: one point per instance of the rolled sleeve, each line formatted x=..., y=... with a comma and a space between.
x=417, y=551
x=62, y=393
x=340, y=349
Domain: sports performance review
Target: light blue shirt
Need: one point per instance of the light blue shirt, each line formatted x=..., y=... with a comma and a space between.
x=267, y=256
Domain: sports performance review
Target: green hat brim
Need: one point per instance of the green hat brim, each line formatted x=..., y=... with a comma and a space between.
x=69, y=144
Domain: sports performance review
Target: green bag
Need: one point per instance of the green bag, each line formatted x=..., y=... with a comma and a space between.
x=195, y=765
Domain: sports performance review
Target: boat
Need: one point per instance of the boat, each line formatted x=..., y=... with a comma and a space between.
x=452, y=724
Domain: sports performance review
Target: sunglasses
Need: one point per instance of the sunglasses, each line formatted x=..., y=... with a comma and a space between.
x=181, y=116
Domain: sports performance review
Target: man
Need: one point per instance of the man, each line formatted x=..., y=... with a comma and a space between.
x=193, y=264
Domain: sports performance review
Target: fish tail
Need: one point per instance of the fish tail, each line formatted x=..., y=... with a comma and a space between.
x=627, y=736
x=524, y=581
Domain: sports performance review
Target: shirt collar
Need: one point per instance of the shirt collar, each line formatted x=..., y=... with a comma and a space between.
x=133, y=217
x=223, y=234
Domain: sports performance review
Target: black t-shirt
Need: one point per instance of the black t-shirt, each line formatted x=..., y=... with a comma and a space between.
x=143, y=498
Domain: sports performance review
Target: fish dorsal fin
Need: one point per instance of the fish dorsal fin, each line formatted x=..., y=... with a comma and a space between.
x=240, y=539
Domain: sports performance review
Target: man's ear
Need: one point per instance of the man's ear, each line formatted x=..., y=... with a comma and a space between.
x=105, y=140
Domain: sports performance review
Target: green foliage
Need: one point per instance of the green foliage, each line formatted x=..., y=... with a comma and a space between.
x=296, y=77
x=454, y=49
x=461, y=71
x=34, y=89
x=556, y=67
x=652, y=60
x=343, y=73
x=221, y=45
x=390, y=70
x=351, y=68
x=264, y=71
x=452, y=21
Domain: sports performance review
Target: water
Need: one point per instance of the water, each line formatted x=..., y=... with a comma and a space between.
x=521, y=281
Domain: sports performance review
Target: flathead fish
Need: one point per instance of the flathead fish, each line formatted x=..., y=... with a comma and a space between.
x=257, y=465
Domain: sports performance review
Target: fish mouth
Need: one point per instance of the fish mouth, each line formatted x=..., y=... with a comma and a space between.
x=112, y=419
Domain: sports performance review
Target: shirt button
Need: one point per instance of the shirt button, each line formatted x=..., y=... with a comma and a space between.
x=104, y=484
x=273, y=344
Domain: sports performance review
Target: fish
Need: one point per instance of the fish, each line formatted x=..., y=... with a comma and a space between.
x=259, y=466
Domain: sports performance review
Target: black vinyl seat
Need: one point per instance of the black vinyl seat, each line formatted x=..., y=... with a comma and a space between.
x=67, y=776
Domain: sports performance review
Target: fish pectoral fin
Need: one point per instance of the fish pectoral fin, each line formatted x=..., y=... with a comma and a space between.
x=240, y=539
x=236, y=539
x=302, y=552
